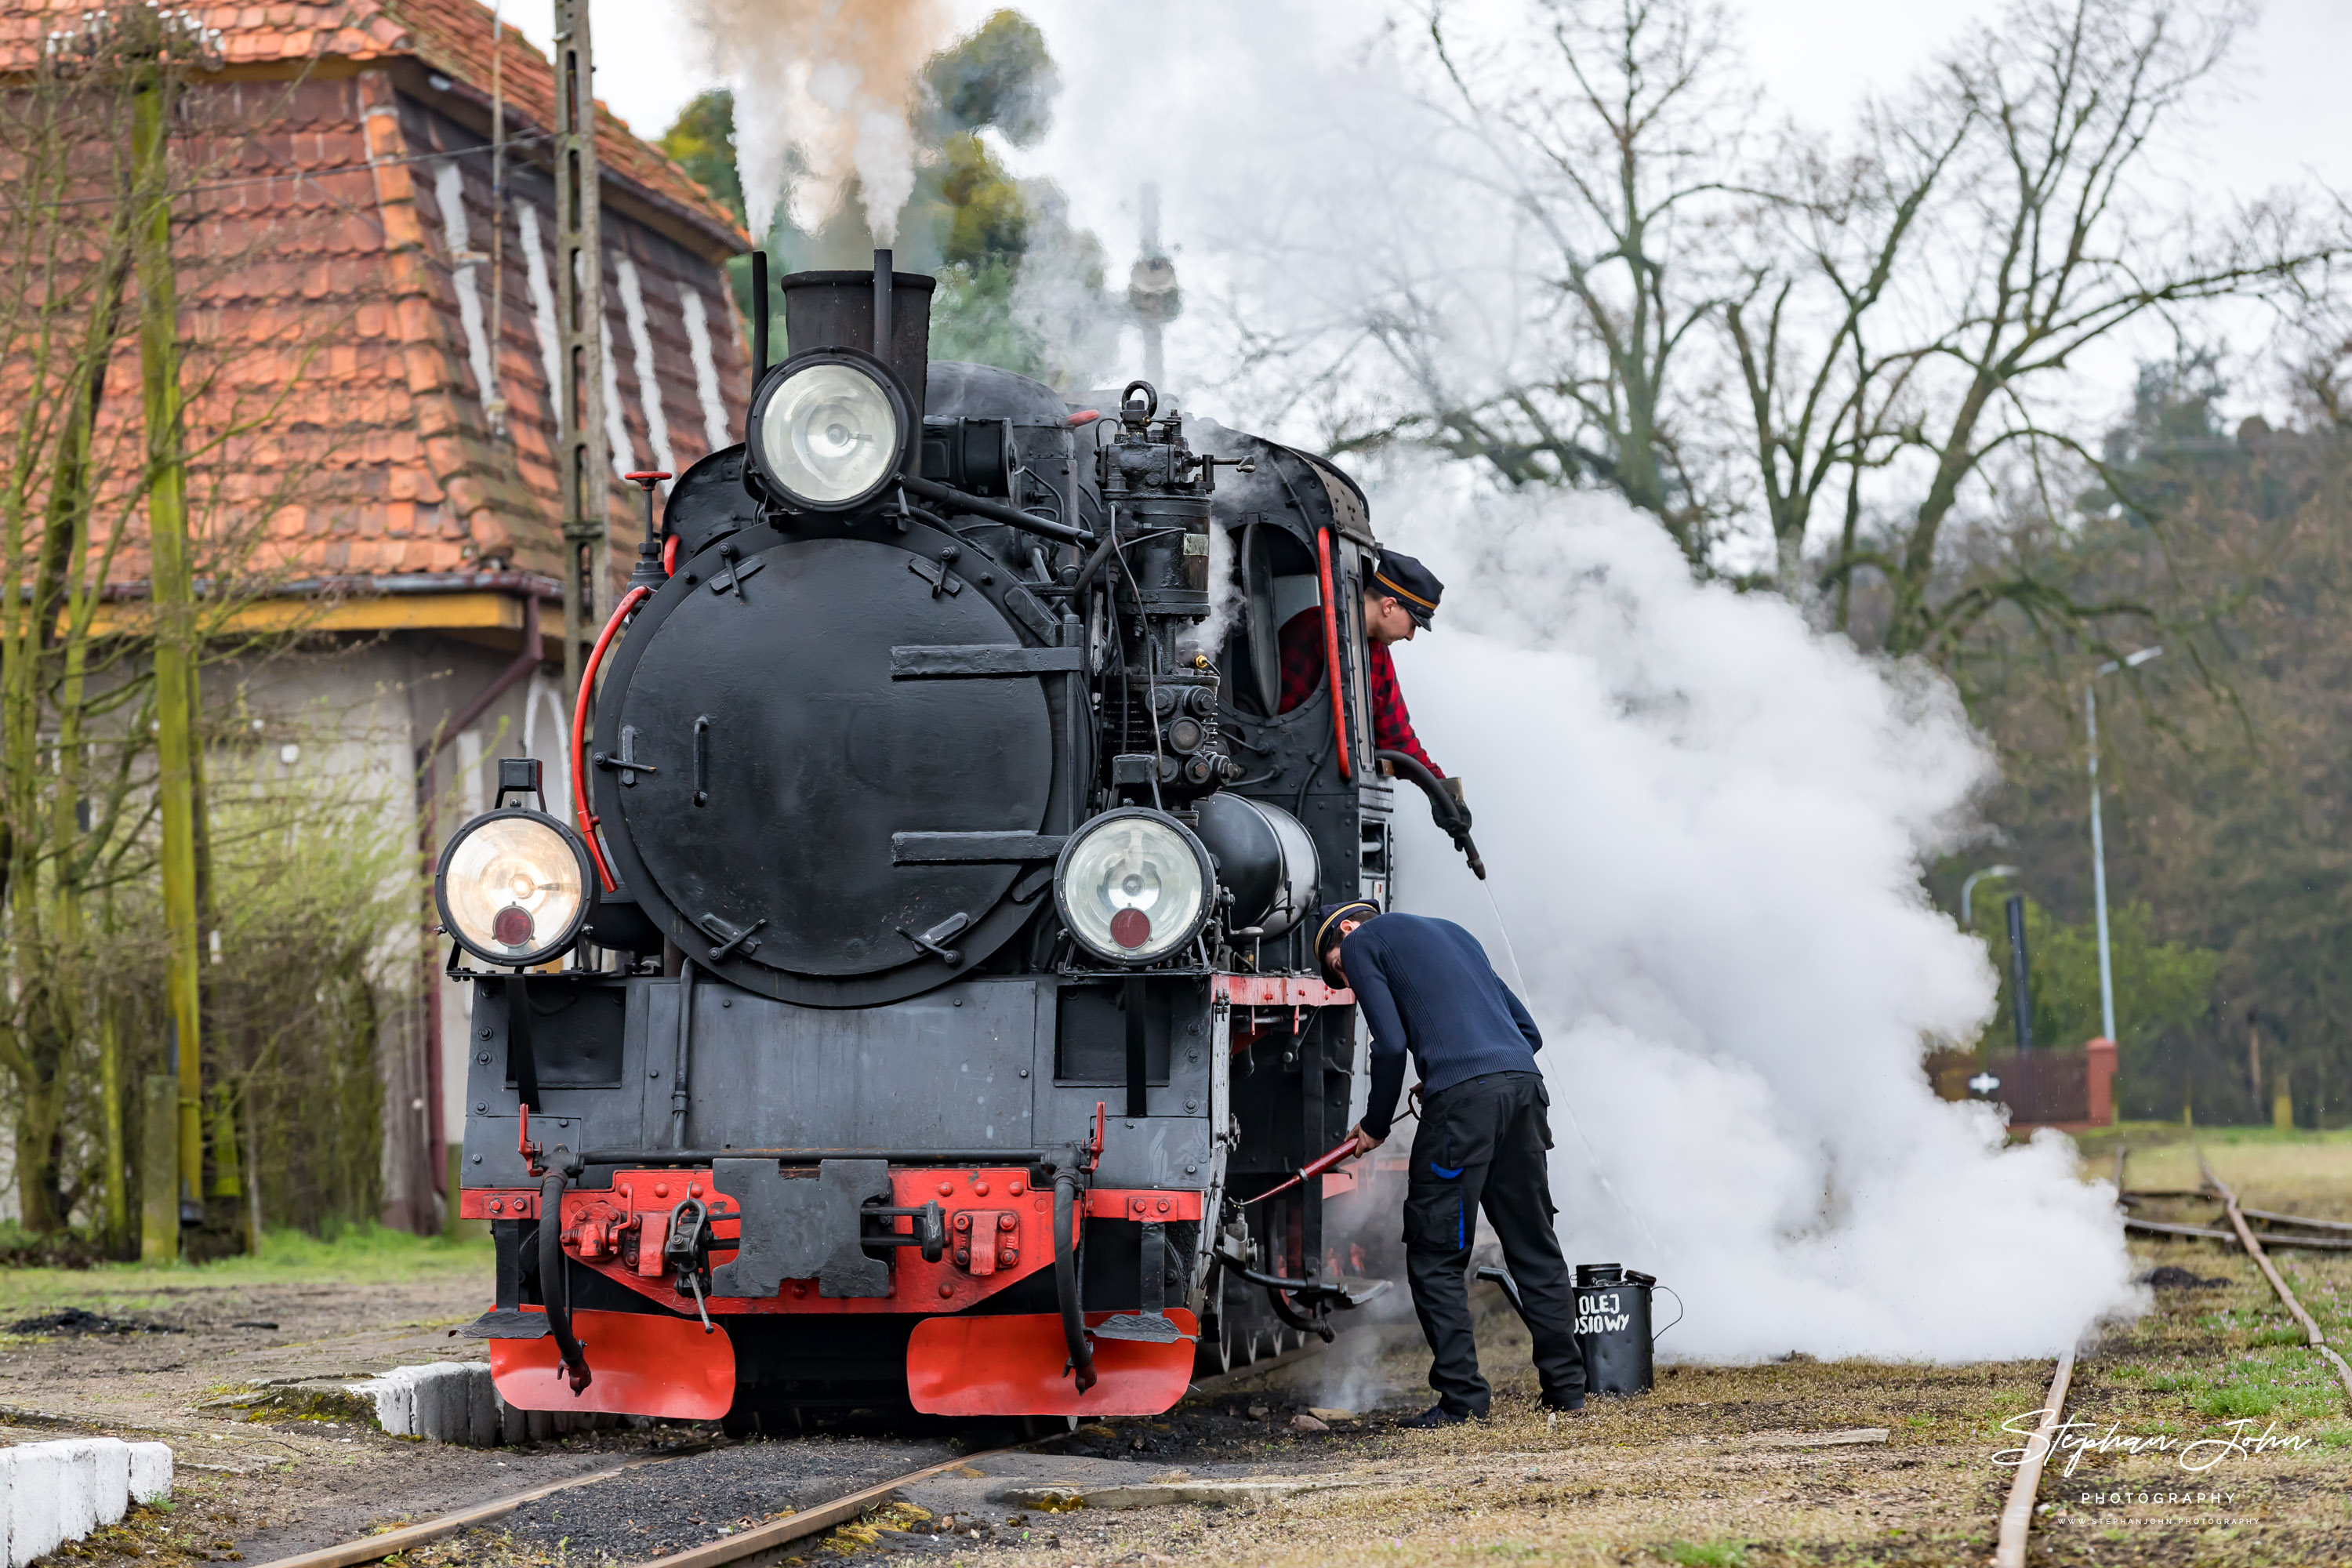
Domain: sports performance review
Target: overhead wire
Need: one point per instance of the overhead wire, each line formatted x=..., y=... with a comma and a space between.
x=297, y=176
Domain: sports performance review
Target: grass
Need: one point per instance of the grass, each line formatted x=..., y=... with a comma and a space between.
x=359, y=1255
x=2299, y=1172
x=1705, y=1554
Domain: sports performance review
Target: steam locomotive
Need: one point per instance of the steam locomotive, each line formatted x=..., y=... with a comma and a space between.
x=926, y=986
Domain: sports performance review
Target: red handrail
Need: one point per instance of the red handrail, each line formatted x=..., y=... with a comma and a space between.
x=629, y=601
x=1330, y=651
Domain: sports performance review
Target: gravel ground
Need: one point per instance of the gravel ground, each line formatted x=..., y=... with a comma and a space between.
x=667, y=1507
x=1719, y=1466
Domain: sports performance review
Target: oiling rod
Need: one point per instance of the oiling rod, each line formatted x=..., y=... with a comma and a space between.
x=1315, y=1167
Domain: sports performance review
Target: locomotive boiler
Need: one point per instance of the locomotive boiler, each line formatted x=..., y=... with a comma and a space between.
x=927, y=981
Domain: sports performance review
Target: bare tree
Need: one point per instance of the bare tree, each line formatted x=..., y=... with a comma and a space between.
x=2001, y=235
x=1616, y=150
x=1739, y=340
x=1824, y=399
x=101, y=226
x=1549, y=342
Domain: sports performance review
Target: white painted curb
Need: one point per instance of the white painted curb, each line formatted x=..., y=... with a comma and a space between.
x=51, y=1493
x=455, y=1401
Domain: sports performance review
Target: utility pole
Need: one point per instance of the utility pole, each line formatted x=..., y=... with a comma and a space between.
x=2021, y=974
x=1968, y=919
x=2098, y=842
x=582, y=461
x=172, y=598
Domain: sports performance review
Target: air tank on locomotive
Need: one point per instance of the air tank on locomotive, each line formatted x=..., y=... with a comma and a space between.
x=937, y=976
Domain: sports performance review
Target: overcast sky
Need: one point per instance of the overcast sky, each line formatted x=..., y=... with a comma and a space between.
x=1212, y=106
x=2290, y=115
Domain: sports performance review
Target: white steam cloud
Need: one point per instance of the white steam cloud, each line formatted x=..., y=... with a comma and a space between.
x=833, y=80
x=1705, y=823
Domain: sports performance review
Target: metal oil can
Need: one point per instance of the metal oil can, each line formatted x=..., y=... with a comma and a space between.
x=1612, y=1327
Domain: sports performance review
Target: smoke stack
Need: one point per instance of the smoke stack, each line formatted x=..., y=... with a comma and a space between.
x=881, y=312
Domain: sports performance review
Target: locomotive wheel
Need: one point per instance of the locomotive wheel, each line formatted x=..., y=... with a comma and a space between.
x=1216, y=1352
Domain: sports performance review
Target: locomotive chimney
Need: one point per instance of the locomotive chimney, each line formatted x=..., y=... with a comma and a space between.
x=883, y=312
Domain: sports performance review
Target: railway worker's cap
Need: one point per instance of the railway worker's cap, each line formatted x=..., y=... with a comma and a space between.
x=1326, y=927
x=1415, y=587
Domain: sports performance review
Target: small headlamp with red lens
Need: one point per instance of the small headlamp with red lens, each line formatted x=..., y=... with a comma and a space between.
x=1133, y=886
x=512, y=887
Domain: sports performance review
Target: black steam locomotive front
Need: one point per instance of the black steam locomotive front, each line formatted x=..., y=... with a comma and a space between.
x=938, y=915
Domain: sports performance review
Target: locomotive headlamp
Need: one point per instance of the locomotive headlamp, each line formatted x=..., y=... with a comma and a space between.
x=1133, y=886
x=829, y=430
x=513, y=886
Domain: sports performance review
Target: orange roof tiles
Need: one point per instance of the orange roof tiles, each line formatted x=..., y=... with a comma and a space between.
x=337, y=319
x=453, y=36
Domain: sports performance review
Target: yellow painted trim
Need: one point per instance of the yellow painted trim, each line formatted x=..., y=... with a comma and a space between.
x=473, y=610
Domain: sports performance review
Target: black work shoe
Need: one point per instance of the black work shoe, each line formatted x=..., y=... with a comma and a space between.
x=1436, y=1416
x=1564, y=1406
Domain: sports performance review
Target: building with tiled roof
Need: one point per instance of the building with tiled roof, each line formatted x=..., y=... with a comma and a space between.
x=402, y=476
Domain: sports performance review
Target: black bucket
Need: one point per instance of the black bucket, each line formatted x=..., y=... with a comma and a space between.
x=1612, y=1327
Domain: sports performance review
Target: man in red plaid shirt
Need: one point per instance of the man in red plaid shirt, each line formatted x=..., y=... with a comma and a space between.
x=1400, y=600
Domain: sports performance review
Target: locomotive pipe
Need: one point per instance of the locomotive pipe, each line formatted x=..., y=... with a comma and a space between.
x=882, y=281
x=552, y=1282
x=995, y=511
x=1094, y=565
x=680, y=1059
x=1451, y=815
x=629, y=601
x=1330, y=652
x=1066, y=1281
x=759, y=315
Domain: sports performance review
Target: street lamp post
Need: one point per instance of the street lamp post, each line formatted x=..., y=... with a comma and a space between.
x=2098, y=843
x=1970, y=886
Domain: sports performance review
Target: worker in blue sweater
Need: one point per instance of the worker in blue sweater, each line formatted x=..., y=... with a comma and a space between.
x=1426, y=988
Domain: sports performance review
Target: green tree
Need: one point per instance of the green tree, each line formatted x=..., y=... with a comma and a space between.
x=701, y=141
x=2162, y=988
x=2223, y=760
x=1019, y=284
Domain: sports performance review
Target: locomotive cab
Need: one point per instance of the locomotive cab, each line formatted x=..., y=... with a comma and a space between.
x=927, y=983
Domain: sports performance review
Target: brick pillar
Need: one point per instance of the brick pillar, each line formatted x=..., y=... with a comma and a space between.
x=2099, y=1057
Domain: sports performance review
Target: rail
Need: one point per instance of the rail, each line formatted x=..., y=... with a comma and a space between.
x=375, y=1548
x=758, y=1541
x=2247, y=1239
x=2016, y=1513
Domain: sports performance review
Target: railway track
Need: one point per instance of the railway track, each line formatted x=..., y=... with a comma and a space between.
x=748, y=1547
x=2017, y=1514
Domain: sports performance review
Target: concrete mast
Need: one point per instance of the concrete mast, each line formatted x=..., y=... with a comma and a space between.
x=1152, y=292
x=583, y=461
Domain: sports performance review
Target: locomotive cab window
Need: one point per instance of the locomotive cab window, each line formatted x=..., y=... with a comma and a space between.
x=1277, y=582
